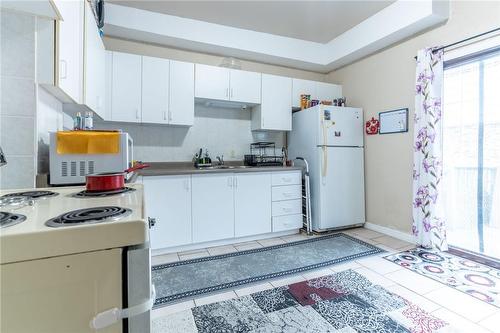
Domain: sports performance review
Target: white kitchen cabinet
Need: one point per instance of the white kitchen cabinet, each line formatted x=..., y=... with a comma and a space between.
x=126, y=87
x=275, y=110
x=155, y=90
x=60, y=55
x=181, y=101
x=245, y=87
x=302, y=87
x=168, y=200
x=69, y=50
x=224, y=84
x=252, y=204
x=211, y=82
x=327, y=91
x=94, y=66
x=212, y=207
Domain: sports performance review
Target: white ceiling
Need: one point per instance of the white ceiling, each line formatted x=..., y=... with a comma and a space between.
x=317, y=21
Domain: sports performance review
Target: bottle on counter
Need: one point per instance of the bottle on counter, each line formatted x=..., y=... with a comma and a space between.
x=77, y=121
x=89, y=121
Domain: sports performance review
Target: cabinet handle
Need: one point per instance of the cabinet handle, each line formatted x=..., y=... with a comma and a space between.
x=287, y=179
x=235, y=182
x=287, y=209
x=231, y=92
x=136, y=113
x=227, y=92
x=186, y=185
x=230, y=181
x=169, y=115
x=287, y=194
x=64, y=69
x=165, y=115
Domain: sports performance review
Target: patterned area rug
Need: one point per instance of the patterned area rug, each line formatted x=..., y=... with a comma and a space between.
x=344, y=302
x=189, y=278
x=475, y=279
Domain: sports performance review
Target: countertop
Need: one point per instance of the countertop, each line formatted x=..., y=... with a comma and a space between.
x=183, y=168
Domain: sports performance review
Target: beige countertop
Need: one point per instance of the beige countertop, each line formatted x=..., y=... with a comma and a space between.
x=182, y=168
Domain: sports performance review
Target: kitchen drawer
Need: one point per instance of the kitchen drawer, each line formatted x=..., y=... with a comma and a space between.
x=287, y=222
x=289, y=192
x=287, y=178
x=287, y=207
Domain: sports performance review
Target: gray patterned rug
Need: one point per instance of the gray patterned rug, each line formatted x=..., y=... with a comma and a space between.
x=345, y=302
x=186, y=279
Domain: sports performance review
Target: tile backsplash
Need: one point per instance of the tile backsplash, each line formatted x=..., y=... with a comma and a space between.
x=220, y=130
x=18, y=99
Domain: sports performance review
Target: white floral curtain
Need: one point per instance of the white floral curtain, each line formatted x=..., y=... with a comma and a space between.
x=428, y=224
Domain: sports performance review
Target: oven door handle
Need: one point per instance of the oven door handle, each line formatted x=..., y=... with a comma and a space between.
x=111, y=316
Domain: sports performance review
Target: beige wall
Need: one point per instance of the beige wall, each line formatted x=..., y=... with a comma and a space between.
x=385, y=81
x=115, y=44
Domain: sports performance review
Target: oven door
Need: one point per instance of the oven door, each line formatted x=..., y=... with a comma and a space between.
x=139, y=288
x=138, y=294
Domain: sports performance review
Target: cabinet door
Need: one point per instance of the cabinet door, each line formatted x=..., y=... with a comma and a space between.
x=213, y=207
x=70, y=48
x=276, y=106
x=328, y=91
x=302, y=87
x=126, y=88
x=212, y=82
x=245, y=87
x=252, y=204
x=181, y=93
x=168, y=199
x=95, y=65
x=155, y=88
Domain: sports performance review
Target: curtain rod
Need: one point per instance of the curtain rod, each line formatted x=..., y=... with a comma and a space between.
x=464, y=40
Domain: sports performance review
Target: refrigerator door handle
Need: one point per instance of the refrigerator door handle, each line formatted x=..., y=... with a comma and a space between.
x=111, y=316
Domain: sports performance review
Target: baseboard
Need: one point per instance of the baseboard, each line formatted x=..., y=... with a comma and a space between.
x=390, y=232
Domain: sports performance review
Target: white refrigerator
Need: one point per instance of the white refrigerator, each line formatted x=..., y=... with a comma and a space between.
x=330, y=138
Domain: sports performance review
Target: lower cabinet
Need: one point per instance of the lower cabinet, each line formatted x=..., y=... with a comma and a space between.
x=212, y=207
x=168, y=200
x=201, y=208
x=252, y=204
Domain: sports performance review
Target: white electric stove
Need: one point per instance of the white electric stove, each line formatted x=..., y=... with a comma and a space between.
x=71, y=261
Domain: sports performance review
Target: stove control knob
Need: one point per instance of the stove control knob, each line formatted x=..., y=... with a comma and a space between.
x=152, y=222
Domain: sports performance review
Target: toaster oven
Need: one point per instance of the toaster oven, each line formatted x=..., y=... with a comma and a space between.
x=69, y=168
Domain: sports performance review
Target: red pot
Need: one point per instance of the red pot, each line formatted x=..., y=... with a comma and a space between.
x=109, y=181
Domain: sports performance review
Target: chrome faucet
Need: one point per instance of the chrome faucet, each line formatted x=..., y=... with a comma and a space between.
x=3, y=160
x=220, y=160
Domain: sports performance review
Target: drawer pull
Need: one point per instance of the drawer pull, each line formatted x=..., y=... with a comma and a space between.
x=288, y=194
x=287, y=209
x=287, y=179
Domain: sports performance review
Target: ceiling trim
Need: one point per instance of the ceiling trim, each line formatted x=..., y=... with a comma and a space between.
x=396, y=22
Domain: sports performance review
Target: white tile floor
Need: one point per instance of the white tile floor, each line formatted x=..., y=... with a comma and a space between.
x=447, y=303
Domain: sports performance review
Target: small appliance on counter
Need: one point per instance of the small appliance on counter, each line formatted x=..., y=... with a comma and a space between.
x=263, y=154
x=75, y=154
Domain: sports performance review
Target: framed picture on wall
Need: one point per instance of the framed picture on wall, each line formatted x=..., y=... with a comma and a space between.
x=394, y=121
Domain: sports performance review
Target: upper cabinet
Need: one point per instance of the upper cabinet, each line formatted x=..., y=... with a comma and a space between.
x=94, y=66
x=244, y=87
x=275, y=110
x=71, y=58
x=211, y=82
x=181, y=95
x=150, y=90
x=69, y=49
x=126, y=87
x=318, y=90
x=327, y=91
x=224, y=84
x=155, y=89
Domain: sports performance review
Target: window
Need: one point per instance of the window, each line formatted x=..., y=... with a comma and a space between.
x=471, y=151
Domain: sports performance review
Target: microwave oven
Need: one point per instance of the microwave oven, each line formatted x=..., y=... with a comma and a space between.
x=72, y=168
